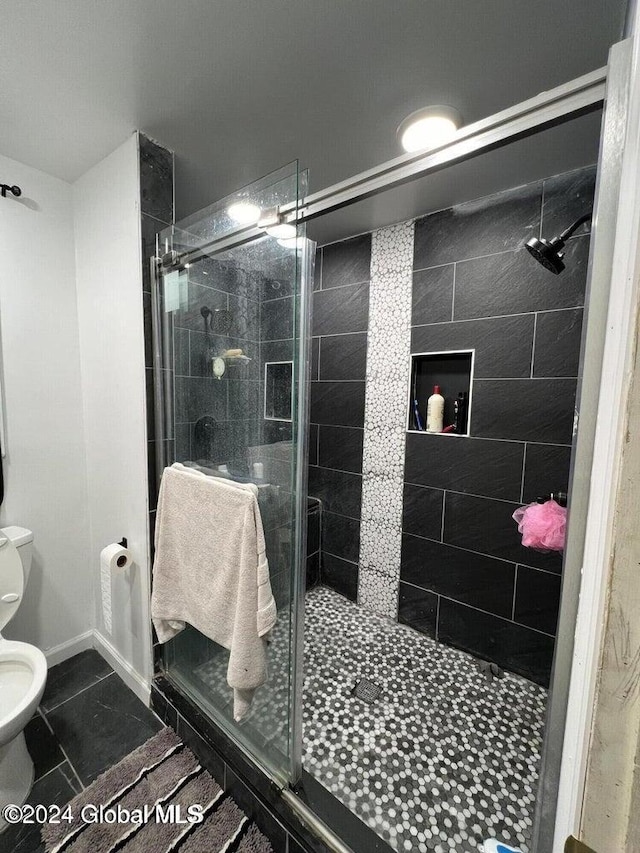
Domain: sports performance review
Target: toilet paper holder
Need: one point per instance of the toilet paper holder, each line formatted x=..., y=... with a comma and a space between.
x=123, y=542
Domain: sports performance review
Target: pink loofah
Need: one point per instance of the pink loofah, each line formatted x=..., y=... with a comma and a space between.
x=542, y=526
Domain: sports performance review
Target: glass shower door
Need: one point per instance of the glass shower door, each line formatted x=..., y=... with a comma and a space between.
x=231, y=391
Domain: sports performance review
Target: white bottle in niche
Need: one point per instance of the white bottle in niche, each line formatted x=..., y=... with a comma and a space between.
x=435, y=411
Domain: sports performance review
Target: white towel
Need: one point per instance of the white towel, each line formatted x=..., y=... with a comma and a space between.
x=211, y=570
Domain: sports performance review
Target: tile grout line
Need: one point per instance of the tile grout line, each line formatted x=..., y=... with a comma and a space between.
x=485, y=554
x=337, y=470
x=489, y=255
x=533, y=346
x=144, y=213
x=73, y=769
x=524, y=468
x=522, y=379
x=444, y=501
x=513, y=602
x=340, y=286
x=453, y=295
x=498, y=316
x=338, y=334
x=57, y=739
x=69, y=698
x=262, y=302
x=478, y=609
x=344, y=334
x=337, y=426
x=50, y=770
x=338, y=557
x=466, y=494
x=490, y=438
x=515, y=502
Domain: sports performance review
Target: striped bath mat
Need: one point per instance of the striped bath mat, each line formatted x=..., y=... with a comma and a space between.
x=149, y=803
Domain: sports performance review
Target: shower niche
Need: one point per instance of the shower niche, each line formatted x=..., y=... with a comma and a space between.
x=452, y=371
x=278, y=389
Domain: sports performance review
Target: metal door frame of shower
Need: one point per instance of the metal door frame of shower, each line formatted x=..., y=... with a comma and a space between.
x=574, y=676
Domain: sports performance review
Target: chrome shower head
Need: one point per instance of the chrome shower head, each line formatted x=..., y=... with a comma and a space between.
x=547, y=252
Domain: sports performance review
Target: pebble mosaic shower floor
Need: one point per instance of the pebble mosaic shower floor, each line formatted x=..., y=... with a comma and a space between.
x=444, y=757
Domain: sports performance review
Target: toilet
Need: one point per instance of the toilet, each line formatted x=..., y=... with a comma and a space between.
x=23, y=672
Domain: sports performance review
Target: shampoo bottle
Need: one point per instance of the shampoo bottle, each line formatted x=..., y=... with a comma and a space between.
x=435, y=411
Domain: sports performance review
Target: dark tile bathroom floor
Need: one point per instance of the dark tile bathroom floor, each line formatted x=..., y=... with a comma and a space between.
x=87, y=721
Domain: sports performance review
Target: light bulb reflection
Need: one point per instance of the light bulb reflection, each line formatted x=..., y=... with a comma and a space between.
x=244, y=212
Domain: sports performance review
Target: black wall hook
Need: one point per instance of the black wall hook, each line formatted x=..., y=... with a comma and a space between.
x=7, y=188
x=123, y=542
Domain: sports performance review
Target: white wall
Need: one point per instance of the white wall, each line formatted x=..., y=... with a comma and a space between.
x=45, y=474
x=71, y=323
x=110, y=315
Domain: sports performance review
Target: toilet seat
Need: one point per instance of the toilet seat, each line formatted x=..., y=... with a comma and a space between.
x=11, y=580
x=23, y=674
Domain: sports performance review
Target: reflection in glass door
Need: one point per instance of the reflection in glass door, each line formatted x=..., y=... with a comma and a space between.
x=228, y=394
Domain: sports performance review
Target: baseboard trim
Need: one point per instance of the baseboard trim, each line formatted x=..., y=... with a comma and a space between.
x=69, y=648
x=127, y=673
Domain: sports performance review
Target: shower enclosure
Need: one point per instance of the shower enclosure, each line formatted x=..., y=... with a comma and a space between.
x=230, y=391
x=421, y=682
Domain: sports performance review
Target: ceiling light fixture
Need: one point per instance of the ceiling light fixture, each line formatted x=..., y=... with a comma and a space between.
x=244, y=212
x=428, y=127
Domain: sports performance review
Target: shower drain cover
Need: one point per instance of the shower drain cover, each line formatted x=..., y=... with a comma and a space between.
x=367, y=690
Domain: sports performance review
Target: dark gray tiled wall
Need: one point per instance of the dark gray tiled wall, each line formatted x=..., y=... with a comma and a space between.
x=516, y=286
x=498, y=223
x=314, y=528
x=473, y=287
x=157, y=212
x=465, y=577
x=503, y=345
x=339, y=354
x=216, y=419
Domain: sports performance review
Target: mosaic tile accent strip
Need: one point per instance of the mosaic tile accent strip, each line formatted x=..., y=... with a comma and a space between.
x=388, y=350
x=444, y=759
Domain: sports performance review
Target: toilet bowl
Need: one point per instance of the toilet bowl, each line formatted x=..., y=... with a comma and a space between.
x=23, y=672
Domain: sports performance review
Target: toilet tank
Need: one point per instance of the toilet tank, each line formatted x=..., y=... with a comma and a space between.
x=23, y=540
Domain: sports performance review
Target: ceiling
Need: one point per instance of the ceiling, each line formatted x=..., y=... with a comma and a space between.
x=239, y=87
